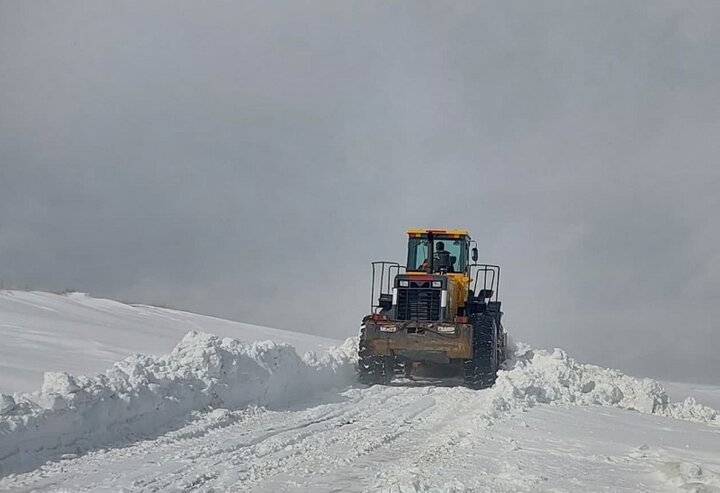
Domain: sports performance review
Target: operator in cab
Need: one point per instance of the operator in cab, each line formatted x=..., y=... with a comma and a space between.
x=442, y=259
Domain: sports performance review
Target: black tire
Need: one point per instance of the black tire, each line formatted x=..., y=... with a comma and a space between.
x=501, y=346
x=481, y=370
x=372, y=369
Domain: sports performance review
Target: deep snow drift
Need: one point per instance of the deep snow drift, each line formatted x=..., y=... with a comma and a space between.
x=143, y=395
x=80, y=334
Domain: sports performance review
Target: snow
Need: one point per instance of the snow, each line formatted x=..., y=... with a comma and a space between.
x=705, y=394
x=552, y=377
x=80, y=334
x=143, y=394
x=219, y=414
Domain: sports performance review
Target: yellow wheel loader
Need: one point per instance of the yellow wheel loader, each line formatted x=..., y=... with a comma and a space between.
x=437, y=316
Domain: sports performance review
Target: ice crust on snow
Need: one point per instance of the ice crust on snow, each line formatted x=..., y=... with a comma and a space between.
x=146, y=395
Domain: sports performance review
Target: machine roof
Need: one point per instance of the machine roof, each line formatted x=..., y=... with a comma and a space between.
x=449, y=232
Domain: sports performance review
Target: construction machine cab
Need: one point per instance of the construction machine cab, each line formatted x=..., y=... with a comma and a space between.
x=438, y=251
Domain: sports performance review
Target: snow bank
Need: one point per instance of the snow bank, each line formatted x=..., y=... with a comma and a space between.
x=145, y=395
x=552, y=377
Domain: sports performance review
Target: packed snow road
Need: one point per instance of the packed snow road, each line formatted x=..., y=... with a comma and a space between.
x=400, y=438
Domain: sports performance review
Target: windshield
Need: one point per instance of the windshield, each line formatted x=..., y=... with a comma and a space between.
x=450, y=252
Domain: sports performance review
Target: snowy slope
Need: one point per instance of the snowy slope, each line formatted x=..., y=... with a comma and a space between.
x=85, y=335
x=222, y=415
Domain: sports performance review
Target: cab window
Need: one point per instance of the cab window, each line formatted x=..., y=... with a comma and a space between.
x=456, y=255
x=417, y=254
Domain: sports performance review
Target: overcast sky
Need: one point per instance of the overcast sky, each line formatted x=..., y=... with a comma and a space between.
x=249, y=160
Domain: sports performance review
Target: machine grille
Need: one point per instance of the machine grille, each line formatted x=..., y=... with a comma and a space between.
x=419, y=303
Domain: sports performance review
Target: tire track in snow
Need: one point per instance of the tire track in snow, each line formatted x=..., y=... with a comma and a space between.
x=374, y=414
x=396, y=433
x=242, y=447
x=391, y=439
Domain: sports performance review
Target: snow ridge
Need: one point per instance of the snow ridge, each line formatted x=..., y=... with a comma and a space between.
x=552, y=377
x=145, y=395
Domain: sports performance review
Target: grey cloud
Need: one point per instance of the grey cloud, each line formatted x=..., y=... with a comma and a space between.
x=248, y=159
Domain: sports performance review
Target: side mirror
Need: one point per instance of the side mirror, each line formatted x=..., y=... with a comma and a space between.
x=474, y=254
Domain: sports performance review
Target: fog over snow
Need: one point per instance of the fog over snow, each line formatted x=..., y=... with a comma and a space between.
x=249, y=159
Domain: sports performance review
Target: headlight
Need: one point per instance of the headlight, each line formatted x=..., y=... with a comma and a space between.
x=446, y=329
x=388, y=328
x=404, y=284
x=437, y=284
